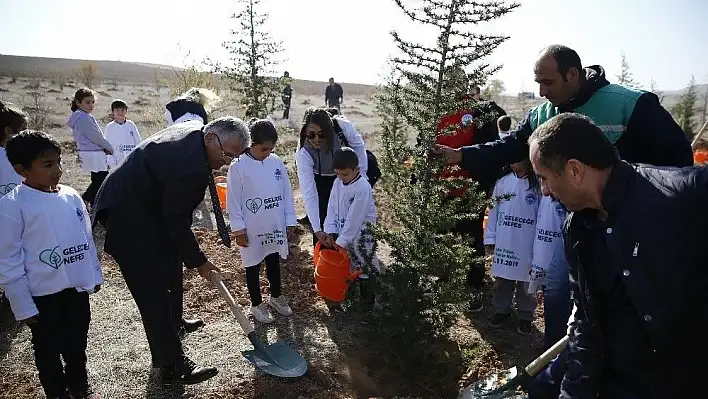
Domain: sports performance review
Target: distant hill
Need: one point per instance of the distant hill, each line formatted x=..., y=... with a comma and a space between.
x=138, y=73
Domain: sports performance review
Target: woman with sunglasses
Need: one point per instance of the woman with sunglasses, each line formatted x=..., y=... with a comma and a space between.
x=318, y=142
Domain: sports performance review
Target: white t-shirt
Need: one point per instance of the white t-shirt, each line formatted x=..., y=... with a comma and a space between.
x=549, y=235
x=46, y=246
x=259, y=198
x=350, y=207
x=511, y=226
x=124, y=138
x=9, y=179
x=306, y=170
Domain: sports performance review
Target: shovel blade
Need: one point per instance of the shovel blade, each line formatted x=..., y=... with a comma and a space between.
x=286, y=362
x=495, y=386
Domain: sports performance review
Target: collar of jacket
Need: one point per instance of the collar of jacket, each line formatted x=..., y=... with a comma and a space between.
x=594, y=80
x=614, y=194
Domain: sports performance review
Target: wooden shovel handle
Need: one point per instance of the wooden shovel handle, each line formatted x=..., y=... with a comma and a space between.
x=235, y=308
x=542, y=361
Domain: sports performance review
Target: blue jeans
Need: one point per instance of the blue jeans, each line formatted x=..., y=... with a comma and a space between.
x=556, y=298
x=557, y=308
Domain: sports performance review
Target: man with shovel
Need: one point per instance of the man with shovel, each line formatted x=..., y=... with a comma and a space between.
x=146, y=205
x=635, y=243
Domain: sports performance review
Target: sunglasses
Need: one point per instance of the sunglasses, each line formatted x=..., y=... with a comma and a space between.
x=311, y=135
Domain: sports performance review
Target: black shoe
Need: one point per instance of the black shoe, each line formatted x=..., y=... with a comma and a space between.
x=187, y=373
x=64, y=395
x=188, y=326
x=525, y=327
x=475, y=306
x=498, y=319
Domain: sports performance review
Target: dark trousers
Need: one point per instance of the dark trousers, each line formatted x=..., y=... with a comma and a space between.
x=253, y=273
x=324, y=186
x=286, y=110
x=153, y=274
x=473, y=228
x=61, y=332
x=97, y=179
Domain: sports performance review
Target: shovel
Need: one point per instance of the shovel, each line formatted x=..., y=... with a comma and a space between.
x=276, y=359
x=504, y=384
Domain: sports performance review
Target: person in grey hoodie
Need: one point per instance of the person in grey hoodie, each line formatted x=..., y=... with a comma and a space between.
x=90, y=142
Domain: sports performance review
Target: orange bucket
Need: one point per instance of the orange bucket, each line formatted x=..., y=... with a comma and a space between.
x=332, y=276
x=700, y=157
x=221, y=193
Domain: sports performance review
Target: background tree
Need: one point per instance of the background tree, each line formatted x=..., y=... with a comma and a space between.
x=87, y=74
x=254, y=55
x=685, y=110
x=653, y=89
x=424, y=285
x=626, y=77
x=493, y=90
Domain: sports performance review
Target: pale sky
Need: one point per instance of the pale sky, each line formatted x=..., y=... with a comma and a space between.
x=664, y=40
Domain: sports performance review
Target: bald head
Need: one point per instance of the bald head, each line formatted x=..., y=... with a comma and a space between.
x=565, y=58
x=559, y=74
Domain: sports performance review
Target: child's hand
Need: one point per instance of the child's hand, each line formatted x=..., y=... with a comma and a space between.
x=241, y=238
x=323, y=238
x=489, y=250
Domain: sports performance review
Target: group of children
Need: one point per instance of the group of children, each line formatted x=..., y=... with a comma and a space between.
x=99, y=153
x=523, y=230
x=262, y=212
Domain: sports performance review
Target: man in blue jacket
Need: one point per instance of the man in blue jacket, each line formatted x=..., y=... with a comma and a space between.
x=635, y=243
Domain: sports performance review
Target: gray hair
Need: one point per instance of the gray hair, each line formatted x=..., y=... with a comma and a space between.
x=227, y=127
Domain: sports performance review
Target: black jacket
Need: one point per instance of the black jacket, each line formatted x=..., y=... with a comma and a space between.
x=333, y=93
x=162, y=182
x=182, y=106
x=651, y=136
x=638, y=280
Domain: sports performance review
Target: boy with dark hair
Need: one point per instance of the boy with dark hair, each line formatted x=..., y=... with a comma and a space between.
x=121, y=133
x=504, y=125
x=351, y=206
x=49, y=264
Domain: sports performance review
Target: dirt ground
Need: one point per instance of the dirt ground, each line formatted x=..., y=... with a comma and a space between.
x=342, y=363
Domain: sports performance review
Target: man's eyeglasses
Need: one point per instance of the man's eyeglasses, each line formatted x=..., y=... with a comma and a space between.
x=227, y=158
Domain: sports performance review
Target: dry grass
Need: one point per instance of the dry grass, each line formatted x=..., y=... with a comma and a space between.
x=342, y=363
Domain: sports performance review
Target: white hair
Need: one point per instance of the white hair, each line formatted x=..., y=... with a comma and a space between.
x=227, y=127
x=207, y=98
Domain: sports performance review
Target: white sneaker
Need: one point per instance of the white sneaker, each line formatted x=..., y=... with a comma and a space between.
x=261, y=313
x=280, y=304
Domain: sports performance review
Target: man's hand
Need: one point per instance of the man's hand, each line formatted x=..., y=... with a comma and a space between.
x=206, y=269
x=241, y=238
x=452, y=156
x=32, y=321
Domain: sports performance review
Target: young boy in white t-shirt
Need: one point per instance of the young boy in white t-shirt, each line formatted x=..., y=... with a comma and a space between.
x=121, y=133
x=351, y=207
x=49, y=264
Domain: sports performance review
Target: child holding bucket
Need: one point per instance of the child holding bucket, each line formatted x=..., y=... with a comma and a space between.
x=509, y=236
x=351, y=206
x=262, y=214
